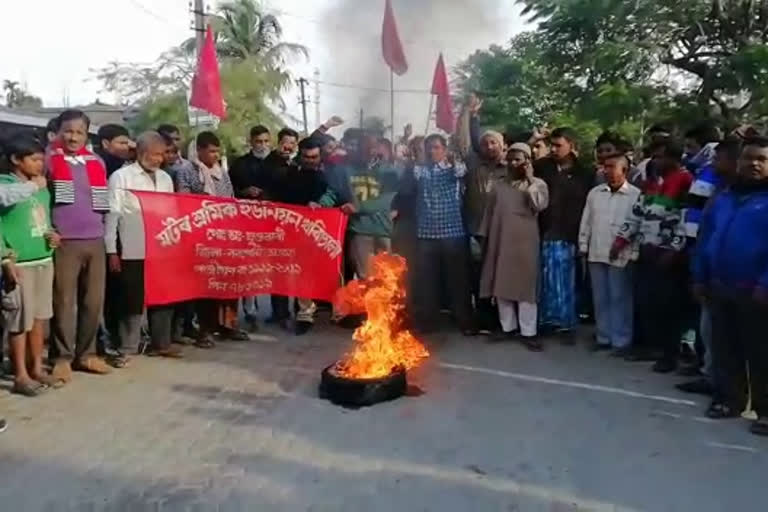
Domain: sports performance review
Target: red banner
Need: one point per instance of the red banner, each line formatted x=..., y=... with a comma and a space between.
x=204, y=247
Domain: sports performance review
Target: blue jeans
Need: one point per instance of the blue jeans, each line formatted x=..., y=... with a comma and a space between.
x=705, y=331
x=613, y=298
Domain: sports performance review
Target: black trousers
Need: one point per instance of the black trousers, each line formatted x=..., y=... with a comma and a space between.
x=442, y=263
x=280, y=307
x=661, y=306
x=740, y=340
x=486, y=314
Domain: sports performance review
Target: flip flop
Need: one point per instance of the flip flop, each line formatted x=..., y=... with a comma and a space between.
x=51, y=381
x=28, y=389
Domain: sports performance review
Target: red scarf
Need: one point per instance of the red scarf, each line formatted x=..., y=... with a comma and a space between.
x=61, y=176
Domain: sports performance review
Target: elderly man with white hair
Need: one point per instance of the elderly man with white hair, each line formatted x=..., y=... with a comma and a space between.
x=125, y=219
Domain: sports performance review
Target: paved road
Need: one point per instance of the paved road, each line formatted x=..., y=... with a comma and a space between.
x=499, y=429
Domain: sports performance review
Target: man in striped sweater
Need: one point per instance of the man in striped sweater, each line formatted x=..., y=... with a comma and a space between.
x=656, y=225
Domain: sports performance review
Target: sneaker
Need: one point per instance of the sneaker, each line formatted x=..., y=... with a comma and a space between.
x=3, y=425
x=303, y=328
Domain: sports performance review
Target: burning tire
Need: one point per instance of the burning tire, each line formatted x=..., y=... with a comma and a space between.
x=362, y=392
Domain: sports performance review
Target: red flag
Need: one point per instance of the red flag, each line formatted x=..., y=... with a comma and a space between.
x=391, y=45
x=206, y=85
x=445, y=119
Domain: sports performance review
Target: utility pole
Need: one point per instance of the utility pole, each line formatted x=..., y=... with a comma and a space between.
x=303, y=82
x=317, y=97
x=362, y=117
x=199, y=11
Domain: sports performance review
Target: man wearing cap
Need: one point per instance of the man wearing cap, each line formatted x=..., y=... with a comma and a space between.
x=511, y=265
x=485, y=166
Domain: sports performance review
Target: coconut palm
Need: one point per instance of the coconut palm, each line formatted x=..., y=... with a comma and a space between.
x=245, y=29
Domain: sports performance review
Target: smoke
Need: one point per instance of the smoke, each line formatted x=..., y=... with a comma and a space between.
x=351, y=36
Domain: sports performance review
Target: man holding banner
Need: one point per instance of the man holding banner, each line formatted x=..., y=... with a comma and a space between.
x=124, y=217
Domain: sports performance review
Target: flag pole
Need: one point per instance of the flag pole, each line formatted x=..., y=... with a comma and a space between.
x=392, y=103
x=429, y=113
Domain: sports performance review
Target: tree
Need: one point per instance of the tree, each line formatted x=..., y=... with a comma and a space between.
x=717, y=45
x=17, y=97
x=244, y=29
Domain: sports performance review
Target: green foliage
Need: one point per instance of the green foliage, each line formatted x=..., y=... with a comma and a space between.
x=619, y=65
x=252, y=61
x=18, y=97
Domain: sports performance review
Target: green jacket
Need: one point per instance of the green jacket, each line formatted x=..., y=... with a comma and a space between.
x=373, y=190
x=25, y=224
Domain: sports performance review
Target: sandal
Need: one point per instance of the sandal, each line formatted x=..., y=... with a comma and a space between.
x=759, y=427
x=29, y=389
x=118, y=361
x=50, y=381
x=168, y=353
x=62, y=370
x=93, y=365
x=721, y=411
x=205, y=343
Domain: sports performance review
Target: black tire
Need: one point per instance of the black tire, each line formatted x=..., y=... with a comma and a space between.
x=362, y=392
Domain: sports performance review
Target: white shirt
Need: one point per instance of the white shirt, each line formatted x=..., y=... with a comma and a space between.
x=604, y=214
x=125, y=211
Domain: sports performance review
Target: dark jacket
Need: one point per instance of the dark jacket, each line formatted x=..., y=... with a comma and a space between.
x=732, y=251
x=249, y=171
x=301, y=187
x=111, y=162
x=568, y=192
x=276, y=169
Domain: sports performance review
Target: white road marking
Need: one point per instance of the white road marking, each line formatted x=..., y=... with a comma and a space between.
x=568, y=383
x=736, y=447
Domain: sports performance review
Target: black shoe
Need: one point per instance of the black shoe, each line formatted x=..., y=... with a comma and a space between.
x=620, y=353
x=302, y=328
x=351, y=321
x=3, y=425
x=469, y=333
x=639, y=355
x=599, y=347
x=567, y=338
x=698, y=386
x=721, y=411
x=664, y=366
x=532, y=343
x=691, y=370
x=502, y=336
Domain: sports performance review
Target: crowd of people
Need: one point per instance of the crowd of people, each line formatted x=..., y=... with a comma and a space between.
x=520, y=237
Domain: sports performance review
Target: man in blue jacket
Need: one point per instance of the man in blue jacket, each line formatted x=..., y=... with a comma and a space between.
x=731, y=274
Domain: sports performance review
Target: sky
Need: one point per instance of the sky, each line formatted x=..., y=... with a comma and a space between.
x=344, y=48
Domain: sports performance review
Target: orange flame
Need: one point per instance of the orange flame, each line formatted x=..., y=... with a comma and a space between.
x=382, y=344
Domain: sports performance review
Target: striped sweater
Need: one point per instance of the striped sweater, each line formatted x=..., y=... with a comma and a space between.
x=656, y=219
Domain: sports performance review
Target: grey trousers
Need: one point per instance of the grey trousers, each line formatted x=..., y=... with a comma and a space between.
x=362, y=247
x=160, y=328
x=78, y=297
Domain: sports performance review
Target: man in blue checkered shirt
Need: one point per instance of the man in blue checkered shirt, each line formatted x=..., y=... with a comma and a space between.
x=442, y=252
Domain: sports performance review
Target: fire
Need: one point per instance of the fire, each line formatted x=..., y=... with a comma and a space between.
x=382, y=343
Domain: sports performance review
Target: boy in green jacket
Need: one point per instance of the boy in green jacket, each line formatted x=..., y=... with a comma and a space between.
x=29, y=241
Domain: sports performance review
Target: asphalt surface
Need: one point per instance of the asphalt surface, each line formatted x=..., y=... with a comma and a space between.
x=497, y=429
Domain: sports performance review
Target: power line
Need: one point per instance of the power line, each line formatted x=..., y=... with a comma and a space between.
x=374, y=89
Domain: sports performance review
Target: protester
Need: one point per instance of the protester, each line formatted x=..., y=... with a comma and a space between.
x=730, y=272
x=80, y=201
x=700, y=144
x=250, y=178
x=656, y=223
x=569, y=182
x=711, y=181
x=373, y=182
x=280, y=162
x=655, y=133
x=607, y=207
x=116, y=147
x=210, y=178
x=175, y=164
x=511, y=265
x=539, y=143
x=28, y=283
x=442, y=253
x=248, y=174
x=125, y=219
x=303, y=185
